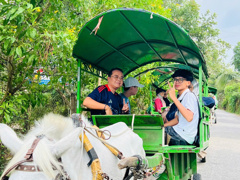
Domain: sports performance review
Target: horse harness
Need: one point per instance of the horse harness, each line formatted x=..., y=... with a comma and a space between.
x=94, y=160
x=29, y=158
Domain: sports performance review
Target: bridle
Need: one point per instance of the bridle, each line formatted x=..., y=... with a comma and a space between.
x=29, y=158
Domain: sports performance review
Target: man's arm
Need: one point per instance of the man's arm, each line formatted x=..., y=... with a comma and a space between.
x=172, y=122
x=187, y=114
x=92, y=104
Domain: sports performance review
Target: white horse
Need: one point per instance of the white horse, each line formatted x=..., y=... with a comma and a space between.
x=62, y=140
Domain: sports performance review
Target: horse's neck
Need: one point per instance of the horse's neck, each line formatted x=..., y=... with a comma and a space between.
x=66, y=143
x=75, y=160
x=128, y=142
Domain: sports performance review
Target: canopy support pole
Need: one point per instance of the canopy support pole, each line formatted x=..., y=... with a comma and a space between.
x=200, y=86
x=175, y=42
x=141, y=36
x=79, y=109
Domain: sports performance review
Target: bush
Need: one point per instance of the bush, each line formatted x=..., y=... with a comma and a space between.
x=4, y=157
x=230, y=98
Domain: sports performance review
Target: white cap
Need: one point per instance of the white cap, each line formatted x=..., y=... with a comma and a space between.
x=129, y=82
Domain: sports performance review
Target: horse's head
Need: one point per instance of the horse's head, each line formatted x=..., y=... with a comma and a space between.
x=61, y=139
x=59, y=134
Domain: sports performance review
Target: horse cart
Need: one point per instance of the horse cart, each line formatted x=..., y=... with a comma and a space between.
x=132, y=38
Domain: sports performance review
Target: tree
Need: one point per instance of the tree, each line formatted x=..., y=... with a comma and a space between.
x=41, y=34
x=201, y=29
x=236, y=57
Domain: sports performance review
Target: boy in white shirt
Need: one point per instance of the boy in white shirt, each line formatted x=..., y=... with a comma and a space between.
x=183, y=128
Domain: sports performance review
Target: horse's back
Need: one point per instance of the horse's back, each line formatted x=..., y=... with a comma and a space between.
x=125, y=139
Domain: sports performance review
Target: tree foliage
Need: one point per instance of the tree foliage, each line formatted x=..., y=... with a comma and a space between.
x=40, y=34
x=201, y=27
x=236, y=57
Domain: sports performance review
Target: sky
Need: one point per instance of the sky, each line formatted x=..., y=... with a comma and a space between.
x=228, y=19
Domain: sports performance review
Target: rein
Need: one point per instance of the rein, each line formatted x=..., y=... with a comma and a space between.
x=28, y=158
x=101, y=138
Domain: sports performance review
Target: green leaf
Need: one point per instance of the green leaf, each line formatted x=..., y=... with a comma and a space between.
x=19, y=51
x=6, y=44
x=3, y=1
x=1, y=38
x=13, y=10
x=13, y=50
x=34, y=62
x=13, y=110
x=4, y=9
x=7, y=117
x=20, y=19
x=33, y=32
x=19, y=11
x=12, y=39
x=33, y=2
x=22, y=34
x=29, y=6
x=30, y=59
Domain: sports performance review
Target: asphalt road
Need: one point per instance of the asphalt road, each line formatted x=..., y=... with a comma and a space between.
x=223, y=154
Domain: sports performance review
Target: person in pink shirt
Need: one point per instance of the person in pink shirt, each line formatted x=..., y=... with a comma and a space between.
x=158, y=101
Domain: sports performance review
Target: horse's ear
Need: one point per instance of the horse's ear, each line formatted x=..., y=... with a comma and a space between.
x=9, y=138
x=66, y=143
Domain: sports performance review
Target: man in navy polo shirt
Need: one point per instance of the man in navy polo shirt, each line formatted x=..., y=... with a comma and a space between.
x=104, y=99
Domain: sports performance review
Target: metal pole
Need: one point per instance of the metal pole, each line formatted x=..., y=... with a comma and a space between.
x=206, y=89
x=200, y=86
x=79, y=109
x=151, y=101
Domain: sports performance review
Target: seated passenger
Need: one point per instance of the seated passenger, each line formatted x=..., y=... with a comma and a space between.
x=130, y=89
x=104, y=99
x=208, y=102
x=158, y=101
x=165, y=98
x=183, y=128
x=216, y=101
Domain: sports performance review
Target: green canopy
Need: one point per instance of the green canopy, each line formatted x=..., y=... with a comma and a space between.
x=130, y=38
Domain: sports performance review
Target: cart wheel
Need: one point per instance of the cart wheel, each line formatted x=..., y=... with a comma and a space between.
x=197, y=177
x=203, y=160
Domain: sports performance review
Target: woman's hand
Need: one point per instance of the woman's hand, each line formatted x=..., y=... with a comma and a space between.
x=125, y=108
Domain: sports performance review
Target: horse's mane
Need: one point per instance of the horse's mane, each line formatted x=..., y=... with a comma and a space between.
x=54, y=127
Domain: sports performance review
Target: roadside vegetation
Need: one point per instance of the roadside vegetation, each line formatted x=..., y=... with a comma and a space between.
x=37, y=38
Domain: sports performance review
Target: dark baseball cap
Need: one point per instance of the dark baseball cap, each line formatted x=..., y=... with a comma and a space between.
x=183, y=73
x=158, y=90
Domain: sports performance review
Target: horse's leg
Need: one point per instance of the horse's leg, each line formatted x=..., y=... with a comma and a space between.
x=9, y=138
